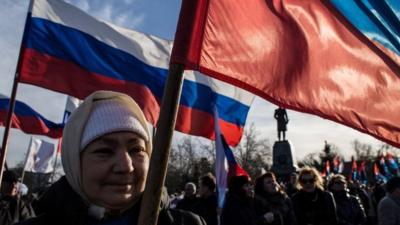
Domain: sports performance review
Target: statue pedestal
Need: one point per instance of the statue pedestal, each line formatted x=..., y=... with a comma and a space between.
x=282, y=159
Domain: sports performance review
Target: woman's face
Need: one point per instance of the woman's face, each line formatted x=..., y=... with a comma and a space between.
x=339, y=185
x=249, y=189
x=308, y=182
x=270, y=185
x=114, y=169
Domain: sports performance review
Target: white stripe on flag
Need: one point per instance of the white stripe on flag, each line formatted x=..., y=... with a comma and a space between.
x=221, y=164
x=149, y=49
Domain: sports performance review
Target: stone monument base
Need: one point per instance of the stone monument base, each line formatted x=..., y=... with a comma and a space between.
x=282, y=160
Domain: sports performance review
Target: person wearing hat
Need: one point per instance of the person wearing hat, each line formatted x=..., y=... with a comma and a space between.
x=12, y=208
x=105, y=156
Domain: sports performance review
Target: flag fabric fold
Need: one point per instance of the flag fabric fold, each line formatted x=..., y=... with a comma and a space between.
x=28, y=120
x=68, y=51
x=40, y=156
x=336, y=59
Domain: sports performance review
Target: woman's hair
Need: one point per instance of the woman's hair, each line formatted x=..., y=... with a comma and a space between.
x=334, y=179
x=209, y=181
x=235, y=184
x=315, y=174
x=259, y=184
x=392, y=184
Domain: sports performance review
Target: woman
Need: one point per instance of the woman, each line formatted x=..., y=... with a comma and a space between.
x=105, y=155
x=275, y=199
x=349, y=208
x=312, y=205
x=240, y=208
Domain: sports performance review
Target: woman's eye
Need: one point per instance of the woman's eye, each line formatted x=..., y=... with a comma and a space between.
x=136, y=149
x=104, y=152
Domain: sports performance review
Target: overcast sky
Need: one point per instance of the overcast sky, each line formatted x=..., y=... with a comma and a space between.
x=157, y=17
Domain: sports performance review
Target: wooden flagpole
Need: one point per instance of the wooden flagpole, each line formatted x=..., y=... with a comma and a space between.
x=8, y=126
x=3, y=153
x=158, y=163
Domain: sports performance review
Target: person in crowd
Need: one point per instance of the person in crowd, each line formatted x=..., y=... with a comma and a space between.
x=349, y=208
x=291, y=187
x=275, y=199
x=359, y=190
x=206, y=205
x=378, y=192
x=312, y=205
x=189, y=199
x=240, y=208
x=389, y=206
x=12, y=208
x=105, y=156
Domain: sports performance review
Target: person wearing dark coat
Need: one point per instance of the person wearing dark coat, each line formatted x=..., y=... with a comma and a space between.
x=349, y=208
x=240, y=208
x=105, y=156
x=312, y=205
x=206, y=206
x=389, y=206
x=190, y=199
x=74, y=211
x=275, y=199
x=13, y=208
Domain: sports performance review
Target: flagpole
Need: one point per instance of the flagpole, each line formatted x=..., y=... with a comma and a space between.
x=10, y=112
x=55, y=160
x=158, y=163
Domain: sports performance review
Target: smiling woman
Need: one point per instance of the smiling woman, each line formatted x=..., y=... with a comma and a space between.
x=105, y=154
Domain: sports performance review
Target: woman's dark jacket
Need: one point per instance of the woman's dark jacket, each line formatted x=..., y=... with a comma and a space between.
x=281, y=205
x=242, y=210
x=316, y=208
x=349, y=209
x=62, y=206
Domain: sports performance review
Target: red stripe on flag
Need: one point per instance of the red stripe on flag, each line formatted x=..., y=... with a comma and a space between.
x=56, y=74
x=201, y=123
x=49, y=72
x=30, y=125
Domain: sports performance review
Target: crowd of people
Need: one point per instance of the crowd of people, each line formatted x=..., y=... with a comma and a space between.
x=105, y=156
x=305, y=199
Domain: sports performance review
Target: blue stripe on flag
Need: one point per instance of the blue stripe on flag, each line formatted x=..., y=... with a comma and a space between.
x=86, y=51
x=376, y=19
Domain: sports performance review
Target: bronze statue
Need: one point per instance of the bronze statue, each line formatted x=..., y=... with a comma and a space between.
x=282, y=119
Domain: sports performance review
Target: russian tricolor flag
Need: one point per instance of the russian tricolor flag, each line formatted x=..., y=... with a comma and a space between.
x=66, y=50
x=225, y=163
x=28, y=120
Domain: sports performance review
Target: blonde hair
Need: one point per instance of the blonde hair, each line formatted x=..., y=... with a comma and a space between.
x=335, y=178
x=316, y=175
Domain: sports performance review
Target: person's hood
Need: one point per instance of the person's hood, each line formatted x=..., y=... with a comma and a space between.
x=72, y=134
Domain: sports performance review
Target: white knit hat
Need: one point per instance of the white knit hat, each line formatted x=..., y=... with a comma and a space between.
x=108, y=116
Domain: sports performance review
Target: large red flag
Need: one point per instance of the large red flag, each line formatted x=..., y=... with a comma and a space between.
x=335, y=59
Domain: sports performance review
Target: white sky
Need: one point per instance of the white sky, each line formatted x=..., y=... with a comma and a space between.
x=158, y=17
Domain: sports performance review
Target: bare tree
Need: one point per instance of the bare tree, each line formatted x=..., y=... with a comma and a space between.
x=253, y=153
x=311, y=159
x=363, y=151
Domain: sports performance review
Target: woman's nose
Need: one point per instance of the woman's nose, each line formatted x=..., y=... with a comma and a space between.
x=123, y=163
